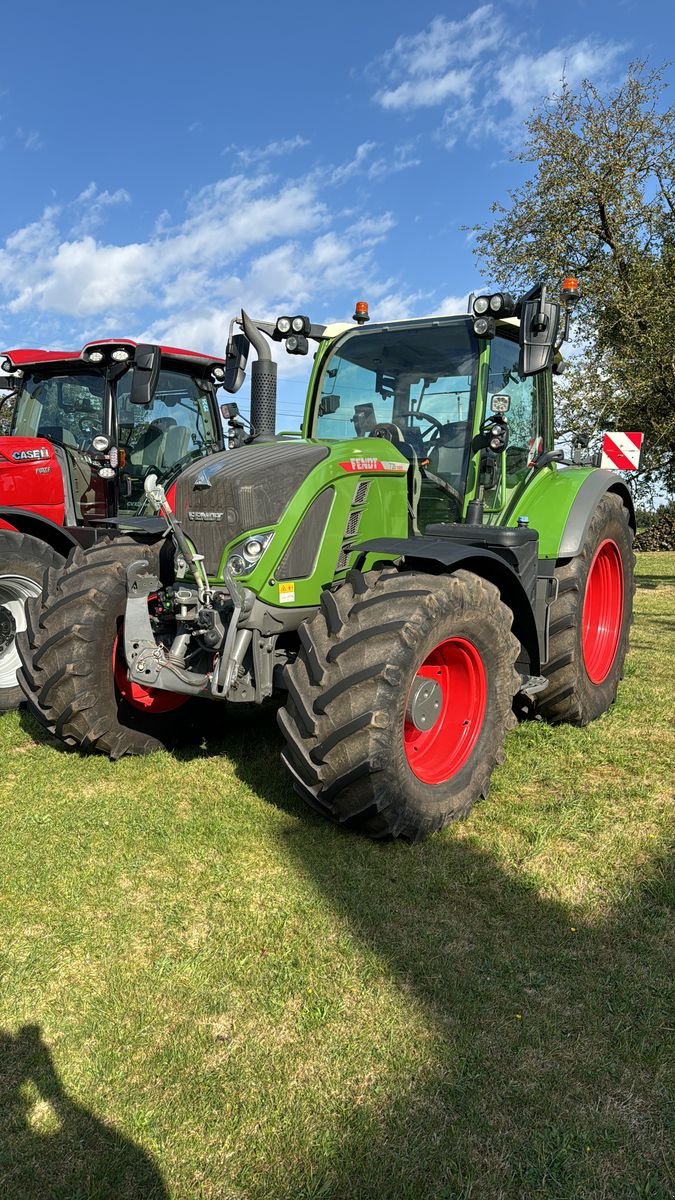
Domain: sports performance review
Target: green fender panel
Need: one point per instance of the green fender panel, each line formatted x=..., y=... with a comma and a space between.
x=559, y=504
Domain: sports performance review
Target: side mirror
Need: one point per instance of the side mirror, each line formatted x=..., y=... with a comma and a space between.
x=539, y=320
x=329, y=404
x=488, y=472
x=235, y=362
x=147, y=363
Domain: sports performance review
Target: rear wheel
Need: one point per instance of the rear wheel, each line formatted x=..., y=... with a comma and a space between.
x=73, y=669
x=399, y=700
x=590, y=620
x=23, y=562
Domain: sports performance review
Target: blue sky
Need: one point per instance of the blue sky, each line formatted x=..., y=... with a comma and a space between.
x=164, y=165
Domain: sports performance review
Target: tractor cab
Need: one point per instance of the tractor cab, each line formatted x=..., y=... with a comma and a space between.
x=105, y=435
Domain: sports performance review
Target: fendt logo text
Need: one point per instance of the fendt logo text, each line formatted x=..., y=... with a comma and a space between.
x=30, y=455
x=205, y=516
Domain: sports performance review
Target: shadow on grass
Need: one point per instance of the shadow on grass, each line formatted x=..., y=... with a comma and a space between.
x=546, y=1075
x=54, y=1149
x=651, y=582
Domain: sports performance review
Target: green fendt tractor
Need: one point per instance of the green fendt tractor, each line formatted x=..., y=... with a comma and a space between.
x=409, y=574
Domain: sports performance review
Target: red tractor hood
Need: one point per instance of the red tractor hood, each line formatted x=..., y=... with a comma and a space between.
x=30, y=477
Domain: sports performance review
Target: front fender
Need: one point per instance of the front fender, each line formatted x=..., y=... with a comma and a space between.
x=441, y=555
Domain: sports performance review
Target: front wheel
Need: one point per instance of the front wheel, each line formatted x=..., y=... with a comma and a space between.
x=23, y=562
x=399, y=700
x=73, y=671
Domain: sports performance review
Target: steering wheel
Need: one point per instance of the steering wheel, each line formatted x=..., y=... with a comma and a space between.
x=418, y=412
x=387, y=430
x=437, y=425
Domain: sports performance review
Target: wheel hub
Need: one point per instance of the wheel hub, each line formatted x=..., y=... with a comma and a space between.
x=7, y=628
x=424, y=704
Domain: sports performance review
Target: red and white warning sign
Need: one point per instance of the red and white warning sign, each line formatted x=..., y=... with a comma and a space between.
x=621, y=451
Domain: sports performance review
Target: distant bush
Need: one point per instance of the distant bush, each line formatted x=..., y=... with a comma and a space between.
x=656, y=529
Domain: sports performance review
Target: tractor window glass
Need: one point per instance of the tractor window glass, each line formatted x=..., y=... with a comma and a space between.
x=174, y=428
x=524, y=415
x=410, y=384
x=67, y=409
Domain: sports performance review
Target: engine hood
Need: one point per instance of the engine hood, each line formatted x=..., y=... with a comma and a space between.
x=225, y=495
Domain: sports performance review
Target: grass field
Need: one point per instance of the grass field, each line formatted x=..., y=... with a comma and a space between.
x=208, y=992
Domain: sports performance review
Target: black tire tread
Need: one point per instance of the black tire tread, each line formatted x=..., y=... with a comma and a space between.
x=59, y=657
x=570, y=697
x=345, y=683
x=33, y=558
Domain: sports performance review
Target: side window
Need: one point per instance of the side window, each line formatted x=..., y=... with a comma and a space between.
x=526, y=414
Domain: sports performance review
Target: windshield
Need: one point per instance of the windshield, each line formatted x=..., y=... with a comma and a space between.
x=174, y=428
x=414, y=385
x=66, y=408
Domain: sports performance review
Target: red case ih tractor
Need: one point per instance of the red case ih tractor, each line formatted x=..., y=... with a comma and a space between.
x=79, y=432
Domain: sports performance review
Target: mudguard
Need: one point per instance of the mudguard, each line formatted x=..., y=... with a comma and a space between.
x=594, y=487
x=559, y=504
x=438, y=551
x=54, y=535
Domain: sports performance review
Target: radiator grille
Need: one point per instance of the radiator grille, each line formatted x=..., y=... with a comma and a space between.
x=361, y=493
x=353, y=524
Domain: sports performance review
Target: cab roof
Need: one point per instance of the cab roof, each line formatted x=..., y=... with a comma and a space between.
x=21, y=357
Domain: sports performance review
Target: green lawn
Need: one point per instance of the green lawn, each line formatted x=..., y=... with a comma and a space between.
x=207, y=991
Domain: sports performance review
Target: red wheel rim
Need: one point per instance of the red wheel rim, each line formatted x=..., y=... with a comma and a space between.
x=602, y=615
x=436, y=754
x=147, y=700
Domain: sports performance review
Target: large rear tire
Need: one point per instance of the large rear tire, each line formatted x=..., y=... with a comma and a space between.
x=23, y=562
x=71, y=671
x=590, y=620
x=399, y=700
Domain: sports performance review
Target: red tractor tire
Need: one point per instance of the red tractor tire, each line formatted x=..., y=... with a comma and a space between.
x=399, y=700
x=23, y=563
x=590, y=620
x=72, y=674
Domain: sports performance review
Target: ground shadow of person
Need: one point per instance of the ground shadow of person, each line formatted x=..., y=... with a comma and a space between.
x=51, y=1148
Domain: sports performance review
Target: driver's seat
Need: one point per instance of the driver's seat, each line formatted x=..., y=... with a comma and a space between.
x=413, y=437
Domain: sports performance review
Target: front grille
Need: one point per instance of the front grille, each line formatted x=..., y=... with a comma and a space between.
x=249, y=489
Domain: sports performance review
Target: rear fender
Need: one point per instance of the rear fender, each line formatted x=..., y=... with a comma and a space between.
x=594, y=487
x=441, y=556
x=20, y=521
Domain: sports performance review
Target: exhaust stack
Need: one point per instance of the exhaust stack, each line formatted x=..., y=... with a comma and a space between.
x=263, y=381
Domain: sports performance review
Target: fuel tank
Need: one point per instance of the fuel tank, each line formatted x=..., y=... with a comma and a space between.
x=30, y=477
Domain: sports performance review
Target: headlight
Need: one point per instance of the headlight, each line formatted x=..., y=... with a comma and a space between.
x=284, y=325
x=480, y=304
x=119, y=355
x=484, y=327
x=95, y=356
x=248, y=553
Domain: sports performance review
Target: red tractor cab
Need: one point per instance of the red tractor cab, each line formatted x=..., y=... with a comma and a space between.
x=79, y=432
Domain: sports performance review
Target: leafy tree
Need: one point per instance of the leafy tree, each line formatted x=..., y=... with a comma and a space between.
x=601, y=205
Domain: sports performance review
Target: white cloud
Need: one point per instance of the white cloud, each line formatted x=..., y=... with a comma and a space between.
x=450, y=305
x=30, y=137
x=251, y=155
x=254, y=241
x=427, y=92
x=479, y=64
